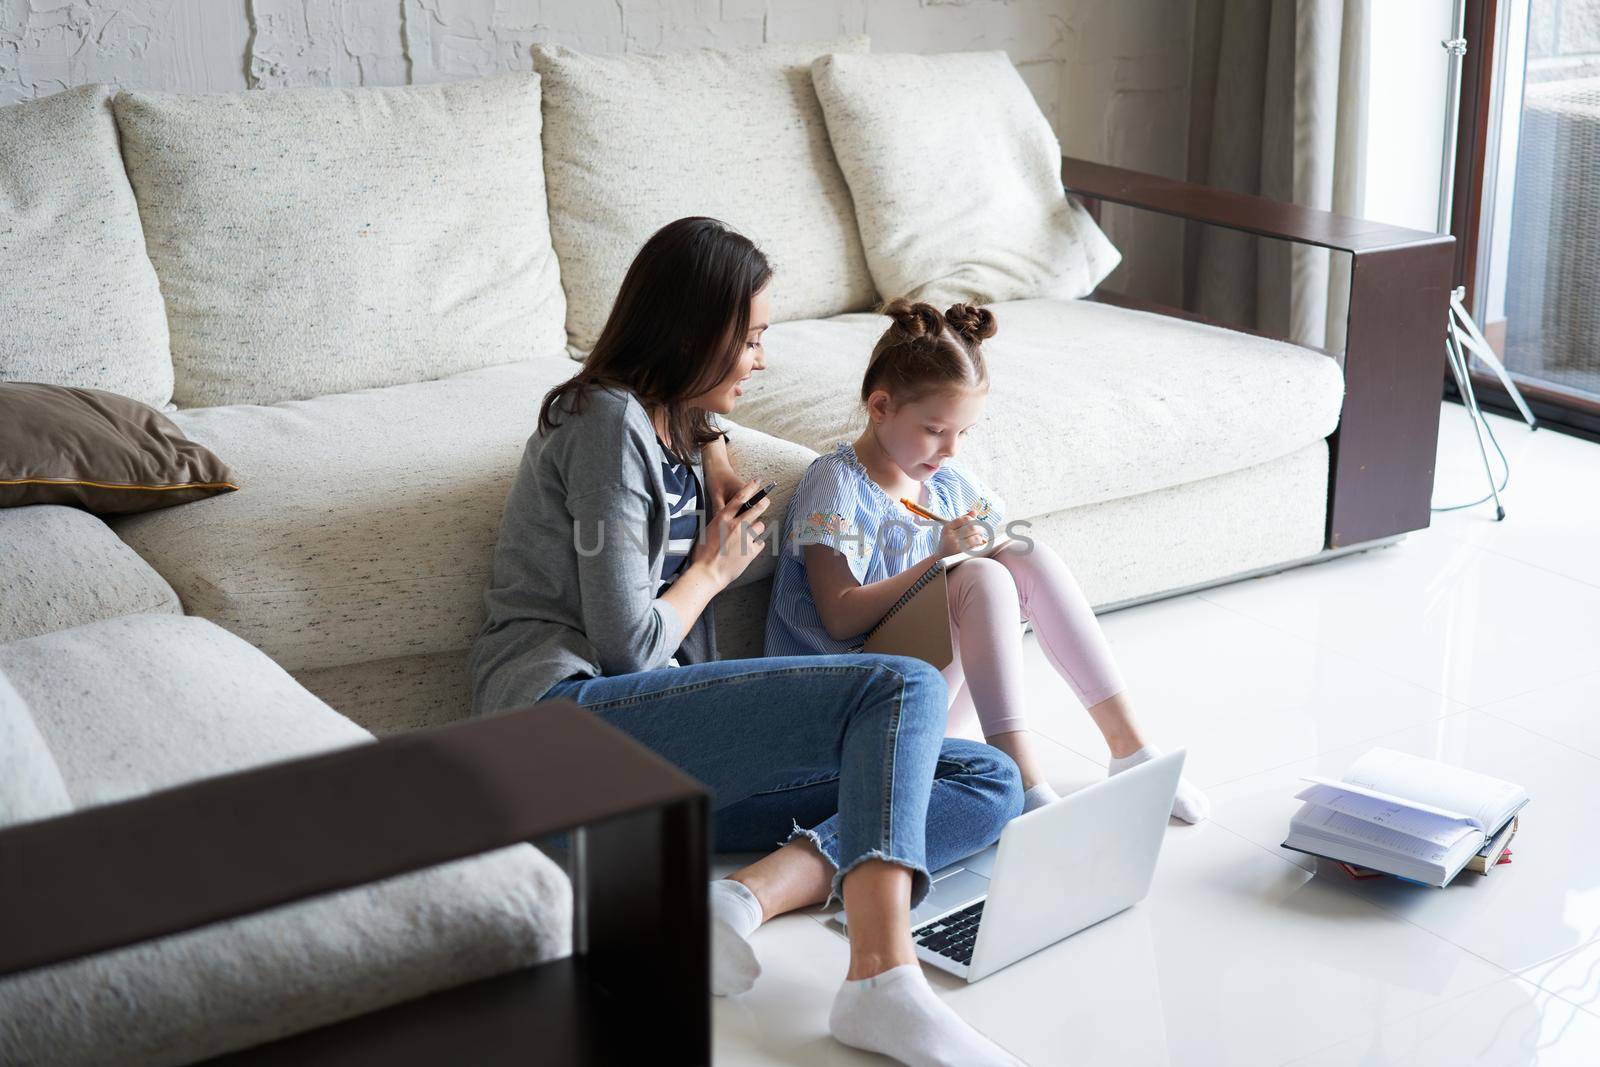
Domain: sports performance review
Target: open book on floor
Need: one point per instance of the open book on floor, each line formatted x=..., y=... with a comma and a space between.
x=1404, y=815
x=919, y=622
x=1496, y=853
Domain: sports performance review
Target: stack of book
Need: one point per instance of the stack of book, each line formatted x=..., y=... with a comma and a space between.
x=1413, y=818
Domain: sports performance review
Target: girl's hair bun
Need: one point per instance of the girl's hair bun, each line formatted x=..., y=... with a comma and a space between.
x=923, y=350
x=974, y=324
x=915, y=320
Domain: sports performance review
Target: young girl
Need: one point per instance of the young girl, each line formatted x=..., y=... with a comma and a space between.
x=850, y=549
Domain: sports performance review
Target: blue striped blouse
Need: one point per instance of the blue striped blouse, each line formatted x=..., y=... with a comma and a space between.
x=837, y=504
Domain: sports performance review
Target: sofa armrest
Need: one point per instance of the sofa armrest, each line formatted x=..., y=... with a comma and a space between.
x=771, y=459
x=1380, y=479
x=62, y=567
x=1237, y=211
x=124, y=873
x=761, y=455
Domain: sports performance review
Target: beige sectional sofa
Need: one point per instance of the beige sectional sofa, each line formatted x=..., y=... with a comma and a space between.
x=1157, y=453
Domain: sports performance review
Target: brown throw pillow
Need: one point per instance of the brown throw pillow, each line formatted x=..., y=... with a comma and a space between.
x=98, y=451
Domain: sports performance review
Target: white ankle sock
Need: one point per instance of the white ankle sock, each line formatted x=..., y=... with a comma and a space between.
x=735, y=914
x=1038, y=796
x=897, y=1014
x=1190, y=804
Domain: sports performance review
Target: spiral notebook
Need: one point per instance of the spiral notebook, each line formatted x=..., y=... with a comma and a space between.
x=919, y=622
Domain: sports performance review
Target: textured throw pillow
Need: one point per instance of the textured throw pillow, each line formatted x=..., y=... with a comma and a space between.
x=79, y=304
x=314, y=241
x=632, y=142
x=30, y=782
x=956, y=177
x=98, y=451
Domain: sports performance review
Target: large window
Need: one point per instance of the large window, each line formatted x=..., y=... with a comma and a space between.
x=1538, y=266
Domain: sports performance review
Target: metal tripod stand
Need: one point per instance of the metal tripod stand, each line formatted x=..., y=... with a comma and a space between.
x=1462, y=334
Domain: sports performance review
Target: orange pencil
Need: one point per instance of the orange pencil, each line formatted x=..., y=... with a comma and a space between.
x=917, y=509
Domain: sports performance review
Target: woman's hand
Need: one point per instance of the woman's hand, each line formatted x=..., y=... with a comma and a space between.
x=732, y=542
x=963, y=534
x=722, y=481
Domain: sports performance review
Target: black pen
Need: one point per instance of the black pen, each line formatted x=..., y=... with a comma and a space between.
x=753, y=501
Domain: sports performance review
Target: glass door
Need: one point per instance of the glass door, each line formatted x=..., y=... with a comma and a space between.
x=1539, y=247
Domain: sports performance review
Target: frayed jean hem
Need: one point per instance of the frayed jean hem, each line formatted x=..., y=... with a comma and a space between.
x=920, y=880
x=800, y=832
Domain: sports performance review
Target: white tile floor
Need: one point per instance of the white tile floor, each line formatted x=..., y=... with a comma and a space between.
x=1472, y=642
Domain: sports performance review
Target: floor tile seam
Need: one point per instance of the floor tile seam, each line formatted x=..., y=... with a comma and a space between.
x=1323, y=646
x=1519, y=559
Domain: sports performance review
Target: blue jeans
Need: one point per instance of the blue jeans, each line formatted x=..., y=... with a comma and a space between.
x=848, y=751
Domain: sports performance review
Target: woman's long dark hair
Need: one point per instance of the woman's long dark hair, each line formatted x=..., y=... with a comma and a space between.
x=677, y=327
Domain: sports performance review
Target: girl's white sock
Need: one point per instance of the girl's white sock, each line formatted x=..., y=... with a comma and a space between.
x=1038, y=796
x=735, y=914
x=895, y=1013
x=1190, y=804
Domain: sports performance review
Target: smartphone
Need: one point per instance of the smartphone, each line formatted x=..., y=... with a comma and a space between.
x=753, y=501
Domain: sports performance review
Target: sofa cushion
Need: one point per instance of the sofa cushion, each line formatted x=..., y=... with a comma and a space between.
x=78, y=296
x=315, y=241
x=1087, y=402
x=633, y=141
x=62, y=567
x=141, y=703
x=956, y=177
x=96, y=450
x=30, y=782
x=370, y=520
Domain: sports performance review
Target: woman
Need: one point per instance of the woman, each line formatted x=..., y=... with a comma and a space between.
x=599, y=594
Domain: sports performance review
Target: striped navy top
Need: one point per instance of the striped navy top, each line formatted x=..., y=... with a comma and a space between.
x=683, y=516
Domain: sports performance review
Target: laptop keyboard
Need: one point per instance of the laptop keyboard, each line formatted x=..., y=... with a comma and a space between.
x=952, y=936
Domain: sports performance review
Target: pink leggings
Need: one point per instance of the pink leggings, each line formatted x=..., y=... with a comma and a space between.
x=987, y=673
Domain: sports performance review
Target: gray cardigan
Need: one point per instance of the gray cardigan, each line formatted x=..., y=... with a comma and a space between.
x=572, y=589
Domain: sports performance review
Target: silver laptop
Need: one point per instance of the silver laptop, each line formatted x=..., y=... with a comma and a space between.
x=1055, y=871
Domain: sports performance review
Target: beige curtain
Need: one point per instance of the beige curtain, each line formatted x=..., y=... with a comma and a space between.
x=1277, y=90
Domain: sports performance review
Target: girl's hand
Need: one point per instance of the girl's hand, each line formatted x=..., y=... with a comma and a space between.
x=962, y=534
x=732, y=542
